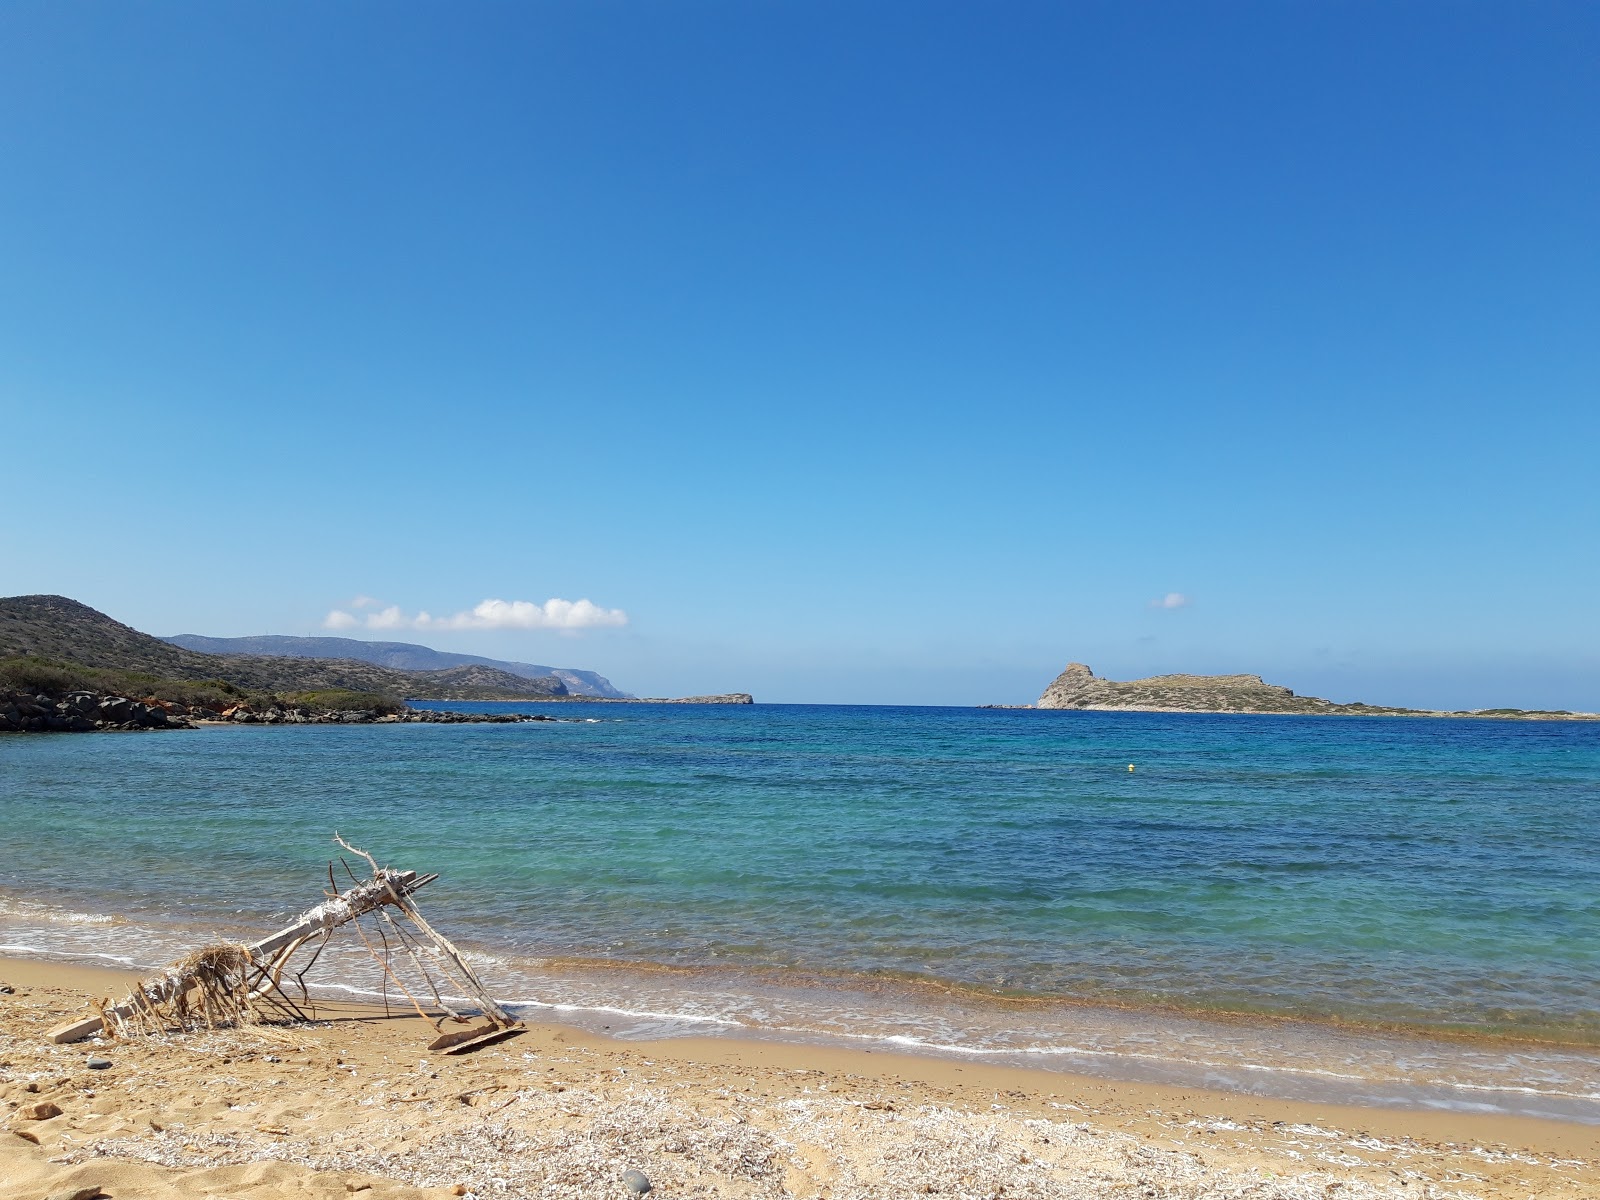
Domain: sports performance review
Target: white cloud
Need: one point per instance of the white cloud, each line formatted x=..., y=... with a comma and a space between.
x=388, y=618
x=564, y=615
x=364, y=602
x=1171, y=600
x=524, y=614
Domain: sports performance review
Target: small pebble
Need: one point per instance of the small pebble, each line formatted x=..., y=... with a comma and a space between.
x=7, y=990
x=636, y=1181
x=98, y=1064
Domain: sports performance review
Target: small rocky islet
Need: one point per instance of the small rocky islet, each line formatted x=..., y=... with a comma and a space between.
x=1078, y=687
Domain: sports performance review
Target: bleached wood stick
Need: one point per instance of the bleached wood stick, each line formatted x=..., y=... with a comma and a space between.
x=491, y=1009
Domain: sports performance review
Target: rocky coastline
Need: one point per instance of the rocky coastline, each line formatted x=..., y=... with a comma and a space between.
x=94, y=712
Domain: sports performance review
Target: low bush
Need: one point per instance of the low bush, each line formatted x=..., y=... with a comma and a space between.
x=30, y=673
x=343, y=700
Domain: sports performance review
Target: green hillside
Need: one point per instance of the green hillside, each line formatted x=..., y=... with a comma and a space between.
x=57, y=633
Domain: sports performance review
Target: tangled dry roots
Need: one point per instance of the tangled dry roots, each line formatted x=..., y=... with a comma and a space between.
x=207, y=989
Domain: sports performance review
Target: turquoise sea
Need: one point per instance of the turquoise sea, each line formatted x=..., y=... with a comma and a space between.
x=1393, y=911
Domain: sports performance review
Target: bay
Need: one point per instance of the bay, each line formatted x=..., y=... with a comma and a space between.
x=990, y=881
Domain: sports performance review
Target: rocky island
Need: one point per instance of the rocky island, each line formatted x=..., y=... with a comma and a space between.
x=1078, y=687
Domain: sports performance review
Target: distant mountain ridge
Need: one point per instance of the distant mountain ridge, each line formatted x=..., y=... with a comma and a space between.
x=400, y=656
x=64, y=630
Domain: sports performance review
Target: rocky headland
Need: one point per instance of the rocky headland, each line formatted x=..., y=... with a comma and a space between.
x=64, y=632
x=91, y=712
x=1078, y=687
x=402, y=656
x=64, y=667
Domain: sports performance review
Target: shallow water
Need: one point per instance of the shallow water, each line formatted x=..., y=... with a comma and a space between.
x=833, y=871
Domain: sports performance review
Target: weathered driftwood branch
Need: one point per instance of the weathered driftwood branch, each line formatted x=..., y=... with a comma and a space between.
x=220, y=985
x=385, y=887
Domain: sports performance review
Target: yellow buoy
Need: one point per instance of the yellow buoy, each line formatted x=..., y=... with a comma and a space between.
x=1130, y=766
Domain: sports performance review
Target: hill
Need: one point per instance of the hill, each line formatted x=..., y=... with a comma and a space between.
x=65, y=632
x=1079, y=687
x=401, y=656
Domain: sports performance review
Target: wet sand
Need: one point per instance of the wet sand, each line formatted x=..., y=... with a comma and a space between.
x=357, y=1105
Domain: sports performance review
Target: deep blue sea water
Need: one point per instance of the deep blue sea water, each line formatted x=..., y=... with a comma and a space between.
x=987, y=881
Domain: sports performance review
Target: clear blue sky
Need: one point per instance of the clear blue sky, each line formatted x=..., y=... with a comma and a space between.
x=883, y=352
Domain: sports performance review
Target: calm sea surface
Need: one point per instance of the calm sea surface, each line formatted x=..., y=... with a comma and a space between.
x=995, y=883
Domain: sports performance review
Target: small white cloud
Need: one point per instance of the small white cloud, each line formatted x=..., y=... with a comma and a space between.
x=564, y=615
x=365, y=602
x=388, y=618
x=1171, y=600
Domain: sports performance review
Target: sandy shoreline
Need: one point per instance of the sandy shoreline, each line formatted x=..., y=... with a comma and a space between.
x=319, y=1111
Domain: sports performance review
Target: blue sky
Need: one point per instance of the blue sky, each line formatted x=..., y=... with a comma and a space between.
x=893, y=352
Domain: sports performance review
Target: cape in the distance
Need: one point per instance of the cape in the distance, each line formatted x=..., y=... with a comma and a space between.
x=1078, y=687
x=67, y=667
x=398, y=656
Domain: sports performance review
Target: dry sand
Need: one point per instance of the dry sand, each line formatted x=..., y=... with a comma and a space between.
x=356, y=1106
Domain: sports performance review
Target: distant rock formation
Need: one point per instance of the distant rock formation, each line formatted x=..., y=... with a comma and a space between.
x=1078, y=687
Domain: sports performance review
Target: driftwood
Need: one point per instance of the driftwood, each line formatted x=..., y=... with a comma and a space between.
x=222, y=985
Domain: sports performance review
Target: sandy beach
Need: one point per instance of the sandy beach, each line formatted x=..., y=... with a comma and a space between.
x=356, y=1105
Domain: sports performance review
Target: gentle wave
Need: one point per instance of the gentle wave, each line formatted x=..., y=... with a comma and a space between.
x=1164, y=1061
